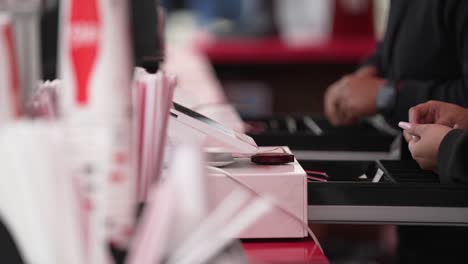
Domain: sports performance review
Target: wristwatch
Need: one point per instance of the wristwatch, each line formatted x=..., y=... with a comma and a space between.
x=386, y=98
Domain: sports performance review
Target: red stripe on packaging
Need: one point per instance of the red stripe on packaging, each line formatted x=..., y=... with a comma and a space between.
x=14, y=77
x=84, y=40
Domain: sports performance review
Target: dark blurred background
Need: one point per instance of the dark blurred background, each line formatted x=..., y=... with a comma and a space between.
x=278, y=56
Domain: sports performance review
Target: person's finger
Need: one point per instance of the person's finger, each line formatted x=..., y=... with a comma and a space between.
x=348, y=118
x=404, y=125
x=407, y=136
x=414, y=115
x=333, y=114
x=341, y=109
x=346, y=115
x=367, y=71
x=347, y=121
x=331, y=104
x=419, y=113
x=413, y=148
x=425, y=113
x=413, y=129
x=348, y=108
x=416, y=147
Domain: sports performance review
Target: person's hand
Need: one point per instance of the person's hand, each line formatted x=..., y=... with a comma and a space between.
x=351, y=98
x=435, y=112
x=424, y=142
x=367, y=71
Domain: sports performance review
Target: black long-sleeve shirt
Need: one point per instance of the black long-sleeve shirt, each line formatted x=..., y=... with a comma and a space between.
x=425, y=51
x=439, y=244
x=453, y=157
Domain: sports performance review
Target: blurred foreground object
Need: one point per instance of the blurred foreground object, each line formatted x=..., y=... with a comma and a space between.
x=44, y=101
x=9, y=81
x=38, y=201
x=152, y=97
x=96, y=71
x=26, y=16
x=177, y=225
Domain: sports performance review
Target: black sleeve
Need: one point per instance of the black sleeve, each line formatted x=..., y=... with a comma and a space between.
x=453, y=157
x=414, y=92
x=375, y=59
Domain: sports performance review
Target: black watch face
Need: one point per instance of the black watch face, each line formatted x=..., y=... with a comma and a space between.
x=386, y=99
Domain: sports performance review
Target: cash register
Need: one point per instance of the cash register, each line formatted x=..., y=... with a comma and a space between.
x=393, y=192
x=373, y=191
